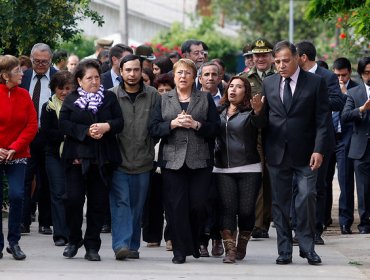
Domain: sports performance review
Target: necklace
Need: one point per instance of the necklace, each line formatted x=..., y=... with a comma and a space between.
x=184, y=99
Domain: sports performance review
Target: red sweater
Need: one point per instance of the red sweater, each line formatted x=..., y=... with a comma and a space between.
x=18, y=120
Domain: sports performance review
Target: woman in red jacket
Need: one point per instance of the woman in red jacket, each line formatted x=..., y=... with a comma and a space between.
x=18, y=126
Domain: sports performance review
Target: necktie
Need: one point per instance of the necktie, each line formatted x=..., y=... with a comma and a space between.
x=287, y=94
x=119, y=79
x=263, y=75
x=36, y=93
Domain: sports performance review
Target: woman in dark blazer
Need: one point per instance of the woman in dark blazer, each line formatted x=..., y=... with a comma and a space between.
x=187, y=121
x=90, y=118
x=238, y=165
x=61, y=86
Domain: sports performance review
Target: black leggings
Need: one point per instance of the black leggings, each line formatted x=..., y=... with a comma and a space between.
x=238, y=195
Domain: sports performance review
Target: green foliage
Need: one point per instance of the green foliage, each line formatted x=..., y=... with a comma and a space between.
x=26, y=22
x=80, y=46
x=269, y=19
x=357, y=13
x=220, y=45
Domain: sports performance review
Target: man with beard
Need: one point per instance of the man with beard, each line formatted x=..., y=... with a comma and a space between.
x=131, y=180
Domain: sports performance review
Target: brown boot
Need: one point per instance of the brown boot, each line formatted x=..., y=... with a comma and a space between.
x=230, y=248
x=243, y=239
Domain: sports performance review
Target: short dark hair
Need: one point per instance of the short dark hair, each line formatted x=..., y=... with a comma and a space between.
x=307, y=48
x=25, y=61
x=185, y=47
x=60, y=55
x=128, y=58
x=362, y=63
x=174, y=54
x=81, y=68
x=322, y=63
x=117, y=51
x=164, y=63
x=220, y=62
x=165, y=78
x=60, y=79
x=209, y=63
x=284, y=45
x=342, y=63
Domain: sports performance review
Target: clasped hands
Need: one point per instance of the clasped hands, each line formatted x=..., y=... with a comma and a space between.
x=6, y=155
x=97, y=130
x=185, y=121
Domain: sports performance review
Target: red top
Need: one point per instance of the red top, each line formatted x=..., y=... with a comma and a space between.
x=18, y=120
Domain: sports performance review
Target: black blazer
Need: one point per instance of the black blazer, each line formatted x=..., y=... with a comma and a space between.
x=303, y=129
x=106, y=79
x=75, y=123
x=357, y=96
x=50, y=130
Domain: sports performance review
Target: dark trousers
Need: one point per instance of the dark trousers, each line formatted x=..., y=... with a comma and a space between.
x=345, y=173
x=57, y=184
x=153, y=215
x=186, y=194
x=97, y=193
x=362, y=172
x=36, y=168
x=238, y=196
x=15, y=177
x=281, y=178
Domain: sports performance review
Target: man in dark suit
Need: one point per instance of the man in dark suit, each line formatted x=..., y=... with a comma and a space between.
x=343, y=133
x=357, y=111
x=36, y=81
x=295, y=142
x=307, y=54
x=112, y=77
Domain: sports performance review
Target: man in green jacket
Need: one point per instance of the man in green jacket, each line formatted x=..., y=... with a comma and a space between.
x=130, y=181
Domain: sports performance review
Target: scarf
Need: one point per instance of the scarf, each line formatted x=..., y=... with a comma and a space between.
x=54, y=104
x=90, y=100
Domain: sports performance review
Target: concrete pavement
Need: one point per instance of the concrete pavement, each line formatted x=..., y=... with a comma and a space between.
x=344, y=257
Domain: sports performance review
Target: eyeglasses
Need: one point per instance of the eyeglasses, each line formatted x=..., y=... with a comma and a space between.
x=41, y=62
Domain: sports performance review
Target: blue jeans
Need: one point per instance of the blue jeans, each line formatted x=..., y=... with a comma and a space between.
x=15, y=174
x=127, y=198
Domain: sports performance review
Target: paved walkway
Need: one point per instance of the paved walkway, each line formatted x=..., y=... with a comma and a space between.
x=344, y=257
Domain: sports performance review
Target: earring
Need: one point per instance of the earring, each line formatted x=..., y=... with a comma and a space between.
x=6, y=81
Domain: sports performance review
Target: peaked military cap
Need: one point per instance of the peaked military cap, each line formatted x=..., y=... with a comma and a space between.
x=261, y=45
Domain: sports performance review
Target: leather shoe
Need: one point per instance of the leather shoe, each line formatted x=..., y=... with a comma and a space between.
x=92, y=255
x=345, y=230
x=204, y=251
x=196, y=254
x=311, y=257
x=319, y=240
x=16, y=251
x=178, y=260
x=71, y=250
x=106, y=229
x=364, y=230
x=133, y=255
x=60, y=242
x=45, y=230
x=260, y=233
x=122, y=253
x=295, y=241
x=284, y=258
x=217, y=248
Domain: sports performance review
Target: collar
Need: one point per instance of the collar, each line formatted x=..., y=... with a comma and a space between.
x=313, y=69
x=113, y=74
x=47, y=74
x=294, y=77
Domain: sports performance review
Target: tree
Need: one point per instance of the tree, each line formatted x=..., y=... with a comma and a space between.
x=353, y=13
x=26, y=22
x=269, y=19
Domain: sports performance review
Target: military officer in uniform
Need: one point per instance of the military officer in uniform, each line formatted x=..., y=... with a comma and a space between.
x=263, y=67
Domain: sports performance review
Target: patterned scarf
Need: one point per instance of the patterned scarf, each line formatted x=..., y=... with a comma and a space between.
x=90, y=100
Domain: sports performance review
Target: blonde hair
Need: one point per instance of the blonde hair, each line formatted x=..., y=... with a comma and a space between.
x=187, y=63
x=7, y=64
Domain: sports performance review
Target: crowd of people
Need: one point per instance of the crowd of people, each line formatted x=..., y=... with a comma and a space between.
x=172, y=147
